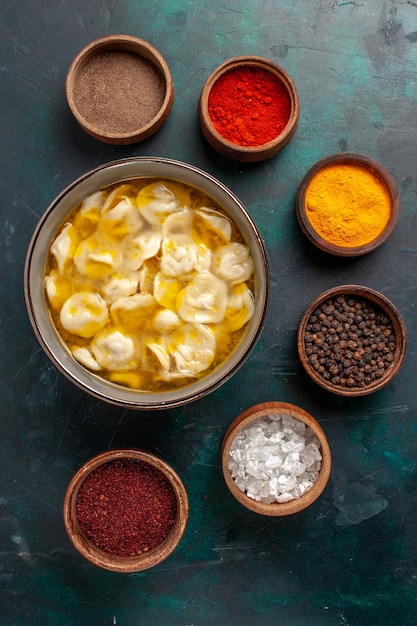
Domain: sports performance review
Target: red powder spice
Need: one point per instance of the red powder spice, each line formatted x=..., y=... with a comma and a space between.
x=249, y=106
x=126, y=507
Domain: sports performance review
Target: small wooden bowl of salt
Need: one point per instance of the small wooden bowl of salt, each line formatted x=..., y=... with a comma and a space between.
x=120, y=89
x=276, y=460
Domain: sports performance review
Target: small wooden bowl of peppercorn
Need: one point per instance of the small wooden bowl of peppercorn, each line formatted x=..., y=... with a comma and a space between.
x=348, y=204
x=248, y=108
x=126, y=510
x=351, y=340
x=120, y=89
x=276, y=459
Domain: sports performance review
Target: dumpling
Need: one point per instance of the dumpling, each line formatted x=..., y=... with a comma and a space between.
x=240, y=307
x=120, y=285
x=133, y=313
x=166, y=319
x=166, y=290
x=84, y=314
x=83, y=355
x=188, y=352
x=143, y=246
x=179, y=259
x=114, y=350
x=97, y=258
x=203, y=300
x=156, y=202
x=88, y=217
x=216, y=225
x=63, y=247
x=233, y=262
x=178, y=226
x=195, y=349
x=58, y=289
x=122, y=220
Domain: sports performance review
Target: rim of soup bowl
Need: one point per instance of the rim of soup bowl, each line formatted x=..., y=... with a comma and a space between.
x=54, y=216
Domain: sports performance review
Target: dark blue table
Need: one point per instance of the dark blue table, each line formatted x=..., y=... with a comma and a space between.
x=350, y=559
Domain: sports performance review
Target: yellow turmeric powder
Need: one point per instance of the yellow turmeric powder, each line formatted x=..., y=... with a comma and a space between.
x=347, y=205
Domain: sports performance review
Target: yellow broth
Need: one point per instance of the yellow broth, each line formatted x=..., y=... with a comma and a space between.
x=150, y=284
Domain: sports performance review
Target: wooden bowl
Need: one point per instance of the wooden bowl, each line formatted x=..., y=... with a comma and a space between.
x=120, y=89
x=377, y=301
x=369, y=165
x=115, y=563
x=233, y=150
x=244, y=420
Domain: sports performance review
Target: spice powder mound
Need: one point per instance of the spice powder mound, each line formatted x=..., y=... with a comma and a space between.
x=348, y=205
x=126, y=507
x=249, y=106
x=349, y=342
x=119, y=91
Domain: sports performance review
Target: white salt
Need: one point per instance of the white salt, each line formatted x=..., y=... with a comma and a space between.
x=275, y=459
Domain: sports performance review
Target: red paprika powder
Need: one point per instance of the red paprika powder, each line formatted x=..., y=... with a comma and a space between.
x=249, y=106
x=126, y=507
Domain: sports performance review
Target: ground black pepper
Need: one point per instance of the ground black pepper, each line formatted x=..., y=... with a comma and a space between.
x=119, y=91
x=349, y=341
x=126, y=507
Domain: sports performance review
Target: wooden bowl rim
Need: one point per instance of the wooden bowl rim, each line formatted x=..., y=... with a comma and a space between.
x=276, y=509
x=125, y=43
x=382, y=302
x=117, y=563
x=373, y=166
x=248, y=153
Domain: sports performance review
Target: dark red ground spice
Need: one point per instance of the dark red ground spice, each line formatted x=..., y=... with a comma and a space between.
x=126, y=507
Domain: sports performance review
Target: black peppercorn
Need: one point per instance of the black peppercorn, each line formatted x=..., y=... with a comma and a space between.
x=355, y=341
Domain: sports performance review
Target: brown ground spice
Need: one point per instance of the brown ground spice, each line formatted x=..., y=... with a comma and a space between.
x=119, y=91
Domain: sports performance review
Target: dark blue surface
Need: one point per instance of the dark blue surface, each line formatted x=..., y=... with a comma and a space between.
x=350, y=559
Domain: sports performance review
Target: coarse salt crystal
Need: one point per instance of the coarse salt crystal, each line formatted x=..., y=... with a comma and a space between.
x=276, y=459
x=285, y=497
x=273, y=461
x=293, y=446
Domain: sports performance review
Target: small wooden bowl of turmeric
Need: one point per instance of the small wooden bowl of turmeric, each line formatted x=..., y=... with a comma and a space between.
x=248, y=109
x=348, y=204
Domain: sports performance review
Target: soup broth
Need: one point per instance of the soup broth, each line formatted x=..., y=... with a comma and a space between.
x=150, y=284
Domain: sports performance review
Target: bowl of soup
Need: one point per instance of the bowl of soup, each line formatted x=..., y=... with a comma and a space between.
x=147, y=283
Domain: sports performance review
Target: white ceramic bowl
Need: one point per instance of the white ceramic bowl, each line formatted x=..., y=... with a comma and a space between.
x=45, y=231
